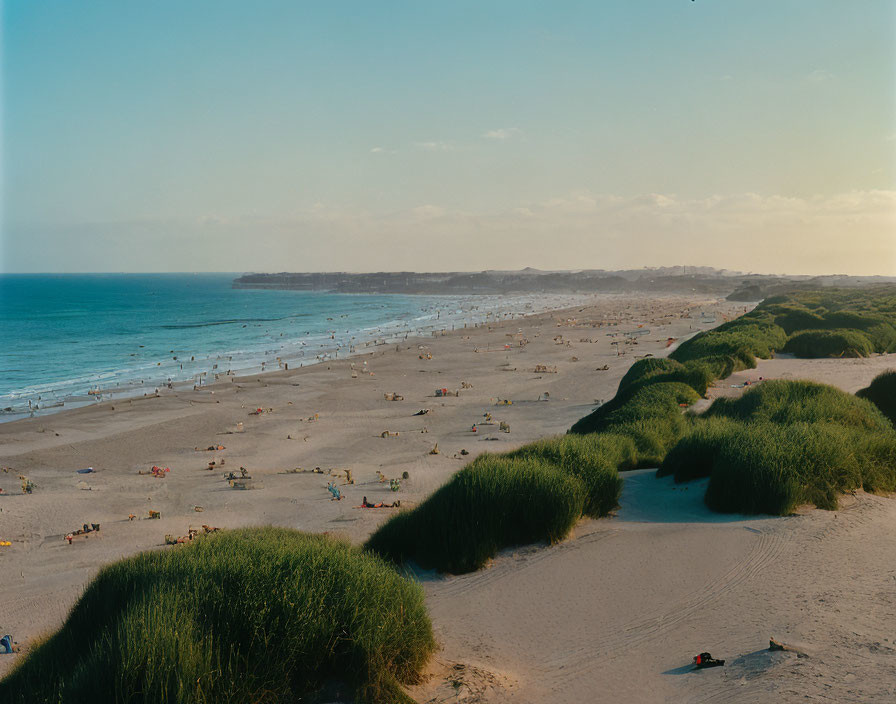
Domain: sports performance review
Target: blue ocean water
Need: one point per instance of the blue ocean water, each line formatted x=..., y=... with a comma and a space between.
x=68, y=340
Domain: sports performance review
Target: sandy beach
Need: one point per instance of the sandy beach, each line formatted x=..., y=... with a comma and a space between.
x=615, y=613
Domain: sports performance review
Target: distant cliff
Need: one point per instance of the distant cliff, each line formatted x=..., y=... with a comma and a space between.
x=678, y=279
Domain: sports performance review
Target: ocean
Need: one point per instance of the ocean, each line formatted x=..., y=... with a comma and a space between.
x=71, y=340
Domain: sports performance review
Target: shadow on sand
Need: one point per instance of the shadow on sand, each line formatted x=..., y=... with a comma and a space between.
x=648, y=499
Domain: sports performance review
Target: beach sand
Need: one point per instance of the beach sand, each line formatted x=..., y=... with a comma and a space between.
x=615, y=613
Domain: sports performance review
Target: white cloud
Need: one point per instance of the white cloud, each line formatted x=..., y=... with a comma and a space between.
x=503, y=133
x=377, y=150
x=819, y=76
x=435, y=146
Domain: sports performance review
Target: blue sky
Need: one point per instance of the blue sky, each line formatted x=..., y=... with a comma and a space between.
x=297, y=136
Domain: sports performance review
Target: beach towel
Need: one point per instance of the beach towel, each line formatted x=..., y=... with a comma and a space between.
x=89, y=470
x=6, y=644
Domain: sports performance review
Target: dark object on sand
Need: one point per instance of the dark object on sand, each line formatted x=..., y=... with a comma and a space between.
x=775, y=645
x=706, y=660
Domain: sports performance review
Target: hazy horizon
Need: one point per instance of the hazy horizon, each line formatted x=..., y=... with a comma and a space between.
x=399, y=136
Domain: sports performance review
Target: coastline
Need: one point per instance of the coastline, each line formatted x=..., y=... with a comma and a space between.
x=87, y=390
x=492, y=623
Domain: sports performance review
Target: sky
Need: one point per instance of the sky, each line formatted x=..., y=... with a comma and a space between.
x=358, y=136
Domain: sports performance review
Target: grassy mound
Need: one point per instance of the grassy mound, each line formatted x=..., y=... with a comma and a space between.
x=830, y=322
x=253, y=615
x=769, y=468
x=785, y=443
x=692, y=457
x=780, y=401
x=829, y=343
x=535, y=495
x=794, y=461
x=653, y=370
x=653, y=402
x=593, y=459
x=741, y=341
x=882, y=393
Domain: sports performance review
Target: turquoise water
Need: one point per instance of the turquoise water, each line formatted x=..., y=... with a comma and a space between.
x=66, y=335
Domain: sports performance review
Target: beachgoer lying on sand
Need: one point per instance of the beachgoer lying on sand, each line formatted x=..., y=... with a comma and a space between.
x=382, y=504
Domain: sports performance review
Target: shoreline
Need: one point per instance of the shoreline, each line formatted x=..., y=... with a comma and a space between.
x=291, y=352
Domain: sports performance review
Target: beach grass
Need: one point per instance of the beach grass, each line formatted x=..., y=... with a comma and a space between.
x=786, y=443
x=782, y=401
x=696, y=374
x=882, y=393
x=250, y=615
x=768, y=468
x=593, y=459
x=636, y=403
x=493, y=503
x=829, y=343
x=781, y=444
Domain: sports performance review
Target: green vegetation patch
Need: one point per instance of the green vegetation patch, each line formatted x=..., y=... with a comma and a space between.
x=741, y=341
x=651, y=402
x=538, y=492
x=781, y=401
x=786, y=443
x=882, y=393
x=829, y=343
x=493, y=503
x=653, y=370
x=252, y=615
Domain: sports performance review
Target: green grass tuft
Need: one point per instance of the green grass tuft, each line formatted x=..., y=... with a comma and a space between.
x=781, y=401
x=593, y=459
x=693, y=455
x=785, y=443
x=764, y=467
x=251, y=615
x=643, y=403
x=829, y=343
x=493, y=503
x=882, y=393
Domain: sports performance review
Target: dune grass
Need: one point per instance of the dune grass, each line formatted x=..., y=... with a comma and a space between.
x=652, y=370
x=781, y=443
x=882, y=393
x=638, y=403
x=769, y=468
x=829, y=343
x=786, y=443
x=252, y=615
x=593, y=459
x=493, y=503
x=782, y=401
x=832, y=322
x=693, y=456
x=538, y=492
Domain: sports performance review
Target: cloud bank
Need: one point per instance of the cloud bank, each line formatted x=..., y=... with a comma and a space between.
x=844, y=233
